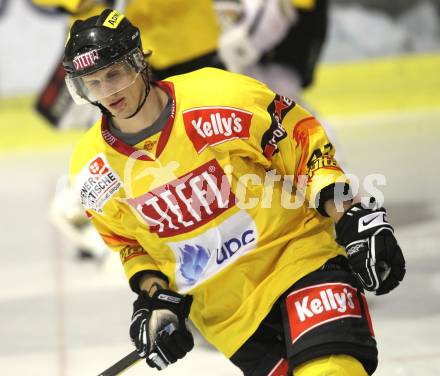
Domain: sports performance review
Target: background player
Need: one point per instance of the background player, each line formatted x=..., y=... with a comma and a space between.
x=276, y=41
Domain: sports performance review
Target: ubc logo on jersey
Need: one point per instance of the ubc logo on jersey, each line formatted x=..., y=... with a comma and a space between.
x=193, y=258
x=85, y=60
x=203, y=256
x=316, y=305
x=277, y=110
x=97, y=183
x=214, y=125
x=186, y=203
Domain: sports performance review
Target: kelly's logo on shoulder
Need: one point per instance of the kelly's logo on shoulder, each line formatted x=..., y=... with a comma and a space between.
x=214, y=125
x=97, y=183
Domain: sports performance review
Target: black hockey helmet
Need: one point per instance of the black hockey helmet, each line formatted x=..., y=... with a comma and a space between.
x=96, y=43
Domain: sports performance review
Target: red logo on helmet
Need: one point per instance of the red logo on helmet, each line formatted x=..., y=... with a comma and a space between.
x=85, y=60
x=98, y=167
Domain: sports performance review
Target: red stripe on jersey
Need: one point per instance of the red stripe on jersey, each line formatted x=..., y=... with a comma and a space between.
x=128, y=150
x=117, y=239
x=280, y=369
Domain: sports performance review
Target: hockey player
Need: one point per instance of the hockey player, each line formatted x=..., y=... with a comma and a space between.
x=278, y=42
x=275, y=41
x=221, y=198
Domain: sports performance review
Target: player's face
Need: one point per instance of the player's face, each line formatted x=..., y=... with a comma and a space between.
x=118, y=88
x=125, y=102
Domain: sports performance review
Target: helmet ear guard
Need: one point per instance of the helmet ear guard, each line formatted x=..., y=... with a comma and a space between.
x=139, y=60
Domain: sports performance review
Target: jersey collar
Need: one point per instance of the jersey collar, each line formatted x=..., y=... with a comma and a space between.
x=123, y=148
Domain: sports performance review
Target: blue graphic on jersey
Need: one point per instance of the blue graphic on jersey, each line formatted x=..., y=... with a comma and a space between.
x=193, y=261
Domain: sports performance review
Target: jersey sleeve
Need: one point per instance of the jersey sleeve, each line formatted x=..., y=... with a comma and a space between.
x=294, y=143
x=316, y=171
x=134, y=258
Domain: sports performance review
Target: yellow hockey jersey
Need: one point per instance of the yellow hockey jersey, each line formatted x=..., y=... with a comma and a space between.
x=175, y=30
x=218, y=201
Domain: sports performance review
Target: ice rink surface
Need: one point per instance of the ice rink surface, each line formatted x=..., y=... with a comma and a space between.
x=59, y=317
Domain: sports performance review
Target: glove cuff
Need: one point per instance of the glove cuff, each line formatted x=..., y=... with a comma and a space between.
x=360, y=223
x=339, y=192
x=176, y=303
x=143, y=301
x=180, y=305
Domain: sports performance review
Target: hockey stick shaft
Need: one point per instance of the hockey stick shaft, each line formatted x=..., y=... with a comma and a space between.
x=122, y=365
x=132, y=358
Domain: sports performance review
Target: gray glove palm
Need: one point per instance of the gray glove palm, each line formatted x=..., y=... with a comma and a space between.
x=158, y=327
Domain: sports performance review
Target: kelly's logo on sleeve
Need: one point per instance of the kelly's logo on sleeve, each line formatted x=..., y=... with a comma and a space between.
x=214, y=125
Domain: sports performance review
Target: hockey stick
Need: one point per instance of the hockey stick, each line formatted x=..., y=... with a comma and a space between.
x=129, y=360
x=132, y=358
x=122, y=365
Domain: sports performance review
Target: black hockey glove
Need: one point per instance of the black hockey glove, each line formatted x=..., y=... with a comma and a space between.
x=158, y=327
x=373, y=253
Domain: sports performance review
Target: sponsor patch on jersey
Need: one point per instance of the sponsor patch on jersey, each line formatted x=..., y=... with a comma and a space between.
x=326, y=161
x=85, y=60
x=203, y=256
x=97, y=183
x=129, y=252
x=316, y=305
x=277, y=110
x=214, y=125
x=186, y=203
x=320, y=158
x=149, y=145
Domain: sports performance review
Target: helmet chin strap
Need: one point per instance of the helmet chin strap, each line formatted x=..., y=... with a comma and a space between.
x=106, y=112
x=147, y=91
